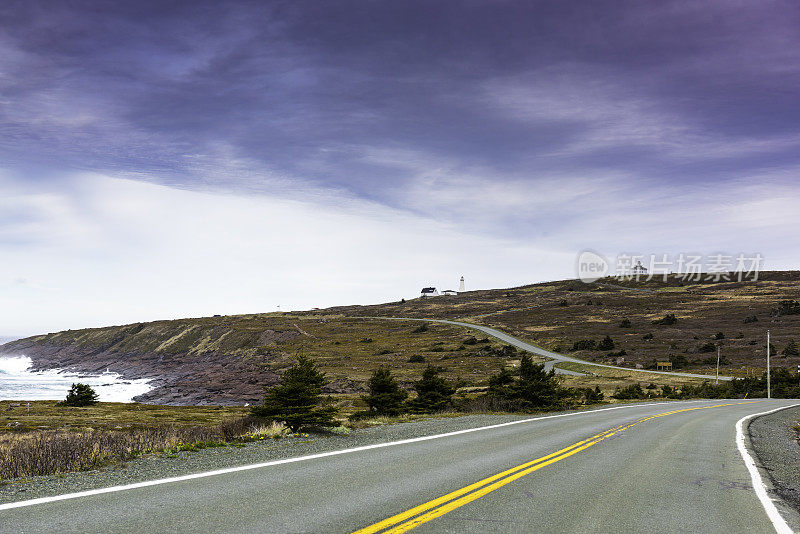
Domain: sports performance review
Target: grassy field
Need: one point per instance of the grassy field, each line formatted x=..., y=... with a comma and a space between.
x=557, y=315
x=46, y=415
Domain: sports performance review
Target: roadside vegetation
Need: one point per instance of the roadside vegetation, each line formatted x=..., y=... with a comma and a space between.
x=47, y=437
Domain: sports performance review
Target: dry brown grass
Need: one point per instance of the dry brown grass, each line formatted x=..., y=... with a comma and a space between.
x=50, y=452
x=260, y=430
x=47, y=415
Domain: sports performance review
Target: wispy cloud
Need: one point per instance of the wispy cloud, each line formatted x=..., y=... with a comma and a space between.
x=602, y=110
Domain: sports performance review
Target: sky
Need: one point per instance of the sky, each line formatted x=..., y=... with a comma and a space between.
x=173, y=159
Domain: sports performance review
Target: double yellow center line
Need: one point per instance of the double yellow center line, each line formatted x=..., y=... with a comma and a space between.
x=430, y=510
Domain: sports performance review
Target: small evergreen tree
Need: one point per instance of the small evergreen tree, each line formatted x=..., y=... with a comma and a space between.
x=791, y=349
x=296, y=400
x=536, y=388
x=606, y=344
x=592, y=395
x=678, y=361
x=634, y=391
x=668, y=319
x=708, y=347
x=80, y=395
x=585, y=344
x=787, y=307
x=434, y=394
x=500, y=383
x=385, y=397
x=626, y=323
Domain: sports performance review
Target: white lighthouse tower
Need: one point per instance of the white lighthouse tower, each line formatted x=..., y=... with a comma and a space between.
x=461, y=286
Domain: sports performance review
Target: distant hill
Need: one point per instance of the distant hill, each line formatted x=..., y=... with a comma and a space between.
x=227, y=360
x=557, y=315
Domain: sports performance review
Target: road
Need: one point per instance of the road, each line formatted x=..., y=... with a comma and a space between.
x=555, y=358
x=659, y=467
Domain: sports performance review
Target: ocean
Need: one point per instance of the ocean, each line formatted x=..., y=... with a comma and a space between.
x=17, y=382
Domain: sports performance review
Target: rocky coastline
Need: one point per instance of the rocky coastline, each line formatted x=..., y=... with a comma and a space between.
x=177, y=379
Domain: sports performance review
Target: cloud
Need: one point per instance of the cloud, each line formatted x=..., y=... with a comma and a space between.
x=196, y=158
x=160, y=252
x=604, y=109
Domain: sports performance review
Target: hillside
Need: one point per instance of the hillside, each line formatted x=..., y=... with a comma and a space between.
x=227, y=360
x=556, y=315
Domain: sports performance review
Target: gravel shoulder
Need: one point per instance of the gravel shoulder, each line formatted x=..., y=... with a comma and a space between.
x=162, y=466
x=774, y=442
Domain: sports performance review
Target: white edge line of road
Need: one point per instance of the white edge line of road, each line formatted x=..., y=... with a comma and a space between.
x=160, y=481
x=758, y=483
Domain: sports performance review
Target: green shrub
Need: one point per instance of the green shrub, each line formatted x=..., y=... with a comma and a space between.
x=420, y=329
x=626, y=323
x=791, y=349
x=508, y=351
x=434, y=393
x=500, y=383
x=385, y=397
x=634, y=391
x=679, y=361
x=80, y=395
x=668, y=319
x=647, y=337
x=585, y=344
x=787, y=307
x=417, y=358
x=592, y=395
x=708, y=347
x=606, y=344
x=719, y=335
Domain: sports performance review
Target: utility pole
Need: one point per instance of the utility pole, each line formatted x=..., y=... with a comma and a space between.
x=769, y=391
x=716, y=380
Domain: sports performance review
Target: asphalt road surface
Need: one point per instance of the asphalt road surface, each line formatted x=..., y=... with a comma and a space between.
x=662, y=467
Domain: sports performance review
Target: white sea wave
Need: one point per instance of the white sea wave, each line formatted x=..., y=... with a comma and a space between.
x=17, y=382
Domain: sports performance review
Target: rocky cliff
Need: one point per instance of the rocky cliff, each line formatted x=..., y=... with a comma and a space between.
x=190, y=362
